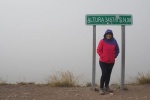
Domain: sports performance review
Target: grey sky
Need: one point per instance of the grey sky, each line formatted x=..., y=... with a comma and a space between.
x=40, y=36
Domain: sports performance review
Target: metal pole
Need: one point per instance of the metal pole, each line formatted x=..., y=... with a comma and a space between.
x=122, y=56
x=94, y=57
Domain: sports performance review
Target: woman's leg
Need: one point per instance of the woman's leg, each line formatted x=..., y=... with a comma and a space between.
x=104, y=74
x=109, y=70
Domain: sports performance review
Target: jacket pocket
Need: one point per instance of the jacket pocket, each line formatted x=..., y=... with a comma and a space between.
x=105, y=58
x=112, y=58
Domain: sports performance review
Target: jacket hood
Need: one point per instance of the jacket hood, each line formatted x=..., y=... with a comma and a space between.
x=108, y=31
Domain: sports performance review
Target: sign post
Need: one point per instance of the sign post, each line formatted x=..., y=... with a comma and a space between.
x=122, y=56
x=94, y=58
x=109, y=19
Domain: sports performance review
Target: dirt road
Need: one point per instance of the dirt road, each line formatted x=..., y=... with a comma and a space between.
x=43, y=92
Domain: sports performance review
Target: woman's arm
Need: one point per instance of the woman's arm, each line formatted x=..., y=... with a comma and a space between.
x=100, y=48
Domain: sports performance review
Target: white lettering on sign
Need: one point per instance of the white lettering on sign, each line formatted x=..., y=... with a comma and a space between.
x=95, y=19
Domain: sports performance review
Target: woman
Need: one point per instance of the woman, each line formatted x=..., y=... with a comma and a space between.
x=108, y=50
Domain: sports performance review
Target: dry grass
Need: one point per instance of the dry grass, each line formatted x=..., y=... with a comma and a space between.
x=26, y=83
x=143, y=78
x=88, y=84
x=2, y=82
x=62, y=79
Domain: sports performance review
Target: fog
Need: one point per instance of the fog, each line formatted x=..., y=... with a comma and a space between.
x=40, y=37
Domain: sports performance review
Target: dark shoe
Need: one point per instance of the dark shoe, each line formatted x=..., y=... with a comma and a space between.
x=101, y=92
x=108, y=89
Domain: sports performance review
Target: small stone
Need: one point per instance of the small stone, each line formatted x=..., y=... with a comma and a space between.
x=111, y=93
x=130, y=97
x=145, y=97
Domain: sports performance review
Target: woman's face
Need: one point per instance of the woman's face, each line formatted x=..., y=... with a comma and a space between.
x=108, y=36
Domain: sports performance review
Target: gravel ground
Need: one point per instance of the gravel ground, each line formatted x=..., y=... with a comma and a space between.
x=43, y=92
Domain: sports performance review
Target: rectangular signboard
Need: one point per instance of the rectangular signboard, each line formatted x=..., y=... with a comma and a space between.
x=108, y=19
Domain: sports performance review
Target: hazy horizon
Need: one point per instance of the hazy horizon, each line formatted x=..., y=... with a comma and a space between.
x=39, y=37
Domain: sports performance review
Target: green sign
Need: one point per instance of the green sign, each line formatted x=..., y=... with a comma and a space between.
x=108, y=19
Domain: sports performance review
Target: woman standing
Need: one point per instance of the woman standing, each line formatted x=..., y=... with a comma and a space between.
x=108, y=50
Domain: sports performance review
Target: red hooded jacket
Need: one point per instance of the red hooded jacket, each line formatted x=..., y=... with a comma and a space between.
x=108, y=50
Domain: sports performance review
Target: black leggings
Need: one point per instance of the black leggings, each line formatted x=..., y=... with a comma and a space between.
x=106, y=73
